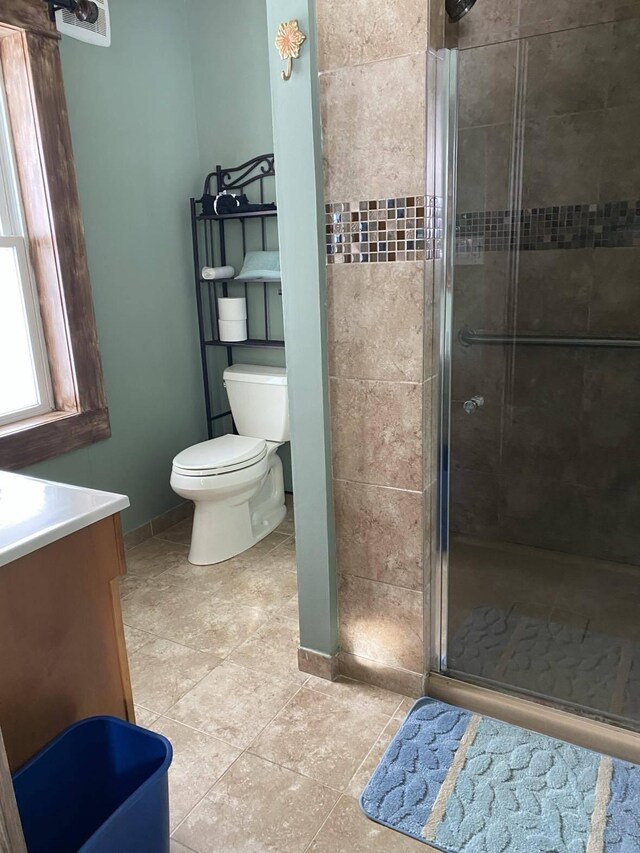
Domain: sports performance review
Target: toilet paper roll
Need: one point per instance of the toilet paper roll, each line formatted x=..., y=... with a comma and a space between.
x=215, y=273
x=232, y=308
x=233, y=330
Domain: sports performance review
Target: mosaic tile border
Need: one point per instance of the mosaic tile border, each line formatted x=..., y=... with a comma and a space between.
x=580, y=226
x=384, y=230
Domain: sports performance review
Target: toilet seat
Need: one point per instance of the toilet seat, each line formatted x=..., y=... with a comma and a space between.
x=220, y=456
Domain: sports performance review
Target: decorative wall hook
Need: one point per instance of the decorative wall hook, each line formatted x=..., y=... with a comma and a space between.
x=289, y=41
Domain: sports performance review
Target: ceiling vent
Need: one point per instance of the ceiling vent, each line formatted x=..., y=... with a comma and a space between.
x=98, y=33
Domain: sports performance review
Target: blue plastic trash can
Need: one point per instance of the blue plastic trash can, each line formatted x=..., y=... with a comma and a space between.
x=99, y=787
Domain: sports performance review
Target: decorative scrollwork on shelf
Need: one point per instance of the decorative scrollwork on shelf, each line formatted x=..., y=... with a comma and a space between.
x=239, y=177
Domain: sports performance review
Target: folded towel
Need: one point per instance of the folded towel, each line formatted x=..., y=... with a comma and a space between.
x=260, y=266
x=214, y=273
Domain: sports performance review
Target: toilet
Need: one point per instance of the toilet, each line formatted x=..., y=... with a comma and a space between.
x=236, y=481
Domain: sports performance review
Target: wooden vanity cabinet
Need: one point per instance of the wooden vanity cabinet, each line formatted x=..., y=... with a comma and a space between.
x=62, y=649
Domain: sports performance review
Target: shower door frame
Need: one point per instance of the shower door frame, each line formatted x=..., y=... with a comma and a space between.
x=436, y=633
x=578, y=724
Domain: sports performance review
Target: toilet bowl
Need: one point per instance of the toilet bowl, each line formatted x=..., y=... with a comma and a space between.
x=236, y=481
x=237, y=488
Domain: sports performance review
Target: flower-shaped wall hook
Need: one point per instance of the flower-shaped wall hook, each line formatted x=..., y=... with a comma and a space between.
x=289, y=41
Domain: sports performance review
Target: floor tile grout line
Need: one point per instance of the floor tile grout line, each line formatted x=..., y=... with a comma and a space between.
x=286, y=705
x=243, y=751
x=205, y=795
x=200, y=731
x=167, y=640
x=235, y=746
x=365, y=759
x=324, y=823
x=298, y=771
x=351, y=574
x=352, y=702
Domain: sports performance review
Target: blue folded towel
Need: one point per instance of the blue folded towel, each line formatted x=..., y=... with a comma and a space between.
x=260, y=266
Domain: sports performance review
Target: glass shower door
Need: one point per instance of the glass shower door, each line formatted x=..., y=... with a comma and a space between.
x=544, y=409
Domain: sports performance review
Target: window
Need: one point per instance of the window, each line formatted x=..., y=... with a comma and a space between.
x=25, y=380
x=51, y=390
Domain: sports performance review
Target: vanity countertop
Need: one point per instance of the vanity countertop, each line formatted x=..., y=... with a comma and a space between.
x=35, y=513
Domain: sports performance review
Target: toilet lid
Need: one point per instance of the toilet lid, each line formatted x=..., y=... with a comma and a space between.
x=230, y=452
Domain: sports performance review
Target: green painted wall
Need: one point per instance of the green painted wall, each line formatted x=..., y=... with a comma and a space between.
x=230, y=47
x=230, y=61
x=297, y=145
x=133, y=121
x=184, y=86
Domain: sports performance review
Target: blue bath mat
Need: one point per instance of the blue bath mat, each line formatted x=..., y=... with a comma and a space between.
x=470, y=784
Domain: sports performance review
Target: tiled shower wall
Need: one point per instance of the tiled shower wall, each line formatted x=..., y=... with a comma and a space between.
x=549, y=241
x=374, y=84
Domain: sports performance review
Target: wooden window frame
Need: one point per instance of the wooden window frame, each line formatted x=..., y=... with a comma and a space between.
x=37, y=107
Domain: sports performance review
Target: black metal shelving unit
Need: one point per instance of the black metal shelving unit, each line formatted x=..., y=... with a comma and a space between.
x=211, y=248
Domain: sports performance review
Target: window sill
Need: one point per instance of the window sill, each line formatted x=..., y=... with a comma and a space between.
x=45, y=436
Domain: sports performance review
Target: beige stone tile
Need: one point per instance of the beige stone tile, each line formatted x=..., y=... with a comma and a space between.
x=176, y=847
x=179, y=533
x=436, y=26
x=563, y=158
x=348, y=830
x=266, y=545
x=290, y=608
x=162, y=672
x=137, y=536
x=358, y=31
x=405, y=706
x=266, y=587
x=184, y=614
x=285, y=554
x=135, y=638
x=541, y=16
x=373, y=129
x=288, y=525
x=620, y=176
x=377, y=432
x=260, y=584
x=382, y=675
x=493, y=21
x=199, y=760
x=233, y=703
x=363, y=774
x=358, y=694
x=257, y=806
x=487, y=85
x=128, y=584
x=568, y=72
x=144, y=717
x=154, y=557
x=381, y=622
x=320, y=736
x=282, y=558
x=375, y=321
x=379, y=533
x=208, y=579
x=272, y=650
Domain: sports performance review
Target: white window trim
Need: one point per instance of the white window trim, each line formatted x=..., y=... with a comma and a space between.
x=13, y=228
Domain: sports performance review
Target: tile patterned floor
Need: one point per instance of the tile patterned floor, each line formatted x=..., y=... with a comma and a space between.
x=266, y=758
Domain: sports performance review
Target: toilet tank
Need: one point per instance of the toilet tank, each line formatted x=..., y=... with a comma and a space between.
x=259, y=400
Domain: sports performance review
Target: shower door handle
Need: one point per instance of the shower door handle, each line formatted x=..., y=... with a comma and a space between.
x=472, y=405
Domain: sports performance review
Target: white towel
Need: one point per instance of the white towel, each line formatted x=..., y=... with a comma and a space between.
x=214, y=273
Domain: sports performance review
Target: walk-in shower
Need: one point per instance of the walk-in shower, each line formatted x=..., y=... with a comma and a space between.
x=538, y=585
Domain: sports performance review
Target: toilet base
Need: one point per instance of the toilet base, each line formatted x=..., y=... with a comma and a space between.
x=224, y=530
